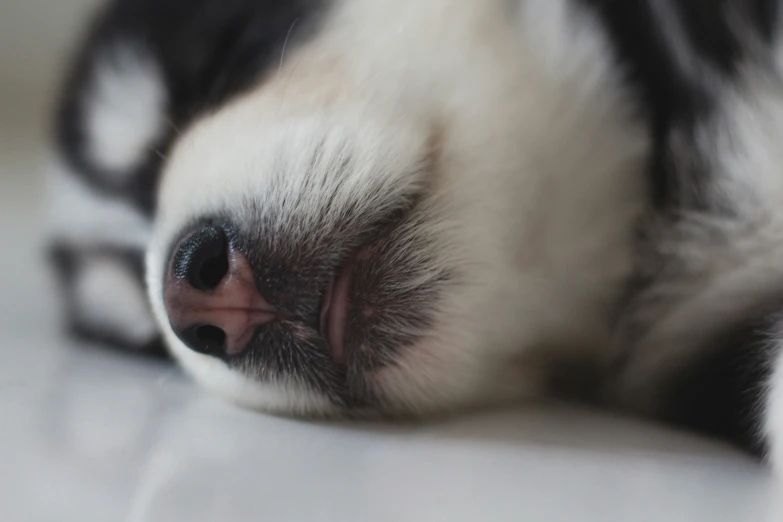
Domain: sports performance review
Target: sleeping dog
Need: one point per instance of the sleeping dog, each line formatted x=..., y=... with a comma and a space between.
x=410, y=207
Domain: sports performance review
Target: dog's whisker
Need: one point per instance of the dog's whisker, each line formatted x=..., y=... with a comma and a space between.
x=285, y=45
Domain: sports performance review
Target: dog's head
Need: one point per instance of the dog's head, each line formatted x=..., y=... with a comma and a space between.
x=368, y=229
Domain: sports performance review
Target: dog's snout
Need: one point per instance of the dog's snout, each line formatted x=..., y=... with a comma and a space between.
x=211, y=296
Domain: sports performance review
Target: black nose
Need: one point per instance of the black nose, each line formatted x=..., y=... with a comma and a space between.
x=202, y=258
x=211, y=297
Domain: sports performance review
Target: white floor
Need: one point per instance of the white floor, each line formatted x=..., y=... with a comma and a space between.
x=89, y=435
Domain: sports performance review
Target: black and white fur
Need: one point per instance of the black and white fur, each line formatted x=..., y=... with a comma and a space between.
x=544, y=185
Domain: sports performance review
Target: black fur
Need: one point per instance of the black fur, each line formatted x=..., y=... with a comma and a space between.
x=675, y=95
x=721, y=390
x=722, y=393
x=208, y=52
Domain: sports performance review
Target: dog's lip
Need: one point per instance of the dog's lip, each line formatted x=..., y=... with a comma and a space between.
x=337, y=302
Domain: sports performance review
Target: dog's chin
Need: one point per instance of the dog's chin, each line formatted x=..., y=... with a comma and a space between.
x=398, y=392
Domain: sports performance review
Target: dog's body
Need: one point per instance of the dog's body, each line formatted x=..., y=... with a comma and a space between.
x=503, y=191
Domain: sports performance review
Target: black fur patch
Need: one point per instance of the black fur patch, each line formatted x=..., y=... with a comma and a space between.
x=722, y=393
x=674, y=95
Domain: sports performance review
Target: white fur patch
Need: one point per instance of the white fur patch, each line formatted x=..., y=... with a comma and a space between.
x=80, y=215
x=126, y=106
x=109, y=297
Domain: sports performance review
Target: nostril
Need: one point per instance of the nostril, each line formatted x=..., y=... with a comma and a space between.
x=211, y=336
x=202, y=258
x=211, y=272
x=207, y=339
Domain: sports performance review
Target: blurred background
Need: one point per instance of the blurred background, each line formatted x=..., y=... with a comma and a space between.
x=35, y=39
x=91, y=435
x=35, y=36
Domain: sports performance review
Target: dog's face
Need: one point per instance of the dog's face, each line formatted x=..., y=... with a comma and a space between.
x=401, y=207
x=341, y=239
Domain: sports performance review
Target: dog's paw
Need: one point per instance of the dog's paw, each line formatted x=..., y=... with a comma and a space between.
x=106, y=300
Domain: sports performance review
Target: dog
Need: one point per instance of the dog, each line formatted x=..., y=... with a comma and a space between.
x=403, y=208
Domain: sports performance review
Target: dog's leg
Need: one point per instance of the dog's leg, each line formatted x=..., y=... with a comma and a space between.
x=111, y=133
x=97, y=251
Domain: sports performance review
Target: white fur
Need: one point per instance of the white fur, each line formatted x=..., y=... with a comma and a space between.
x=522, y=203
x=80, y=215
x=278, y=396
x=108, y=297
x=125, y=112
